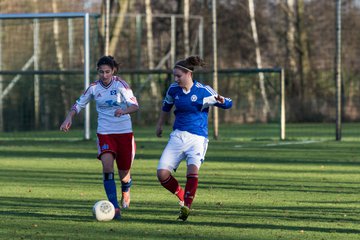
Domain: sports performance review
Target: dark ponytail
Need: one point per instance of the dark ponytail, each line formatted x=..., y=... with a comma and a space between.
x=189, y=64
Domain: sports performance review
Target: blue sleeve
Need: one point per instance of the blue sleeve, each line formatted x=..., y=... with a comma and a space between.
x=168, y=101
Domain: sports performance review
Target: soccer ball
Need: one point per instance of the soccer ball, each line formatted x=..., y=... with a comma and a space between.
x=103, y=210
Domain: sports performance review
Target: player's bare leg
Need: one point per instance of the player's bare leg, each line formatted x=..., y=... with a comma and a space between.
x=171, y=184
x=126, y=183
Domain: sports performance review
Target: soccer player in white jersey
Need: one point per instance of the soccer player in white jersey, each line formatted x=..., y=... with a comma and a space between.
x=189, y=139
x=115, y=140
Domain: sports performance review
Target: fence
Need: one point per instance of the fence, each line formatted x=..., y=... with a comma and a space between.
x=310, y=99
x=39, y=25
x=239, y=84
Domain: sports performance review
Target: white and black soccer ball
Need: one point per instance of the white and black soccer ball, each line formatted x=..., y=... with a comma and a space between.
x=103, y=210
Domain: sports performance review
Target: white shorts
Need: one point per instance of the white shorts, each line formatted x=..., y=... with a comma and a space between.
x=183, y=145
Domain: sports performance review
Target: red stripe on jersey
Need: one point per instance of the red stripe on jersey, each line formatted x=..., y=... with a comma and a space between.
x=134, y=100
x=74, y=108
x=125, y=84
x=92, y=84
x=122, y=82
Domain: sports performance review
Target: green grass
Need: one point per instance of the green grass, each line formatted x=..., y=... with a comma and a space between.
x=249, y=188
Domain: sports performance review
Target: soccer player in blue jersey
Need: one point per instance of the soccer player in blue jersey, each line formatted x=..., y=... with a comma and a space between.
x=115, y=139
x=189, y=139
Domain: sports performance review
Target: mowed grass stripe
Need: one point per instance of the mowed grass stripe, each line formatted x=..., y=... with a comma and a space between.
x=301, y=191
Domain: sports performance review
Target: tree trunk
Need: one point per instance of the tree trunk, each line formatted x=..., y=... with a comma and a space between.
x=291, y=56
x=118, y=27
x=351, y=110
x=155, y=93
x=304, y=65
x=60, y=58
x=1, y=82
x=291, y=36
x=266, y=107
x=186, y=27
x=149, y=34
x=36, y=47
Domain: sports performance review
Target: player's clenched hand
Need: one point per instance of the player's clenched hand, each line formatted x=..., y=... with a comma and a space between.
x=119, y=112
x=65, y=126
x=220, y=99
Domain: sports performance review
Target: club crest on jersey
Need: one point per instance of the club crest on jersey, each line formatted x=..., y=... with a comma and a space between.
x=193, y=98
x=113, y=92
x=104, y=147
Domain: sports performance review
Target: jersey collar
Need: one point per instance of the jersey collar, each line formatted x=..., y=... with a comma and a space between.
x=106, y=86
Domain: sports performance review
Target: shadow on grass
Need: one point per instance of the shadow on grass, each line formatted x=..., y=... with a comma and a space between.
x=65, y=177
x=42, y=153
x=192, y=221
x=41, y=208
x=316, y=213
x=49, y=177
x=146, y=213
x=271, y=185
x=66, y=209
x=221, y=151
x=54, y=177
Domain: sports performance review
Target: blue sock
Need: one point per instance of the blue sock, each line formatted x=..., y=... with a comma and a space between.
x=110, y=188
x=126, y=186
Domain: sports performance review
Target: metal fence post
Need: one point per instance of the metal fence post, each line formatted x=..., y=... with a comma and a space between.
x=87, y=72
x=338, y=70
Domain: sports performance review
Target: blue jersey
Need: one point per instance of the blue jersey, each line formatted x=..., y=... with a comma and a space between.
x=192, y=108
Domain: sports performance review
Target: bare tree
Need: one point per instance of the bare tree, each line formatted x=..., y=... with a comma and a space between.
x=291, y=35
x=186, y=27
x=266, y=107
x=291, y=61
x=150, y=46
x=118, y=27
x=149, y=34
x=297, y=55
x=60, y=58
x=303, y=54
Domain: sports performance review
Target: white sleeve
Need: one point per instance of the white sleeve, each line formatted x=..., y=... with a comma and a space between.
x=128, y=96
x=83, y=100
x=209, y=97
x=208, y=101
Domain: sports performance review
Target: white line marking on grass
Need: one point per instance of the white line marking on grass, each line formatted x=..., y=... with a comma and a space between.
x=292, y=143
x=237, y=146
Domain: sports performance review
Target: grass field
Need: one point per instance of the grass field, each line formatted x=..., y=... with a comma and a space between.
x=249, y=188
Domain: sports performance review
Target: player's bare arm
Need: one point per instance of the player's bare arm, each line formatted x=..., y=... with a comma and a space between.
x=65, y=126
x=162, y=119
x=131, y=109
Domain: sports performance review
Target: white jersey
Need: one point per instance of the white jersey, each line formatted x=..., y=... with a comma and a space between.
x=108, y=99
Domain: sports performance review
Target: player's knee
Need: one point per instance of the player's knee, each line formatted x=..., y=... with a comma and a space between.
x=124, y=175
x=192, y=169
x=107, y=162
x=163, y=174
x=108, y=168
